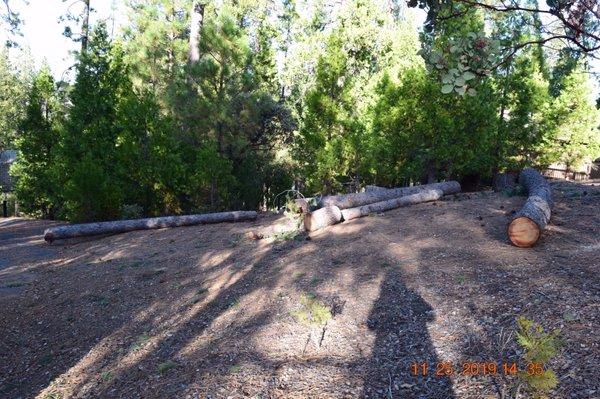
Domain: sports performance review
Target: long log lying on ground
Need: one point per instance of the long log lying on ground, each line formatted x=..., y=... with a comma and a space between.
x=122, y=226
x=321, y=218
x=527, y=224
x=346, y=201
x=365, y=210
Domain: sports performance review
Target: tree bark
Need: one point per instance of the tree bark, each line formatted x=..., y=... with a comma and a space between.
x=346, y=201
x=321, y=218
x=528, y=223
x=420, y=197
x=196, y=22
x=122, y=226
x=85, y=26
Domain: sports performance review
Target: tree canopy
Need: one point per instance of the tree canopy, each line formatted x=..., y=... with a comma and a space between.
x=199, y=106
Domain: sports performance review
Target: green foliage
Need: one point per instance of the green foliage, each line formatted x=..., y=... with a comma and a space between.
x=13, y=95
x=312, y=312
x=37, y=143
x=539, y=348
x=312, y=95
x=166, y=366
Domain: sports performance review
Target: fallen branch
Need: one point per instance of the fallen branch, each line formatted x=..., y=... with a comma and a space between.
x=528, y=223
x=374, y=195
x=122, y=226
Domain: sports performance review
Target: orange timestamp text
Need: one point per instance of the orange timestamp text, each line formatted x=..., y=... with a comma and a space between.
x=448, y=369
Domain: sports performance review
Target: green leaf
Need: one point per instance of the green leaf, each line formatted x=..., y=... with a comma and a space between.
x=460, y=81
x=447, y=78
x=472, y=92
x=460, y=90
x=447, y=89
x=468, y=75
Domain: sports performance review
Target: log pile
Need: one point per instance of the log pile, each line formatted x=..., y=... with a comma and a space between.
x=338, y=208
x=122, y=226
x=528, y=223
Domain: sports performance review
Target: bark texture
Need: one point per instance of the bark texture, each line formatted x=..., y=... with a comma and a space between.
x=528, y=223
x=122, y=226
x=411, y=199
x=196, y=22
x=321, y=218
x=375, y=189
x=359, y=199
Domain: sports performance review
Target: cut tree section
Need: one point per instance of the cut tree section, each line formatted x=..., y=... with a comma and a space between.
x=527, y=225
x=321, y=218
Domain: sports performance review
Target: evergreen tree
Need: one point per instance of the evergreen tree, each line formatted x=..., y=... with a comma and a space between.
x=13, y=89
x=38, y=138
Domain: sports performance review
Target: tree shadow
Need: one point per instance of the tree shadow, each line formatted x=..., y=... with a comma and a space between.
x=399, y=319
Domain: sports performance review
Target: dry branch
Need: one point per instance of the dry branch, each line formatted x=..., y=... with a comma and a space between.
x=527, y=224
x=122, y=226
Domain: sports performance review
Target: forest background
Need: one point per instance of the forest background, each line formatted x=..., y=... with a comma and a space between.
x=206, y=106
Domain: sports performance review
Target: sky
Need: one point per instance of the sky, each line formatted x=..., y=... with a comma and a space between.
x=43, y=34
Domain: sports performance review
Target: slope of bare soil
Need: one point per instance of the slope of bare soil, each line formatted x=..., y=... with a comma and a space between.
x=207, y=311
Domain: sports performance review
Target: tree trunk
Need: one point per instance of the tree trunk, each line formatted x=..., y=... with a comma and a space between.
x=122, y=226
x=85, y=26
x=358, y=199
x=196, y=22
x=323, y=217
x=422, y=196
x=527, y=224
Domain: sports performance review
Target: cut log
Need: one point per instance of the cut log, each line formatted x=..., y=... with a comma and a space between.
x=423, y=196
x=122, y=226
x=528, y=223
x=359, y=199
x=323, y=217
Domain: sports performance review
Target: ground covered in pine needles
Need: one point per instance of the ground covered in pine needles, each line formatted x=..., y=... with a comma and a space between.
x=248, y=310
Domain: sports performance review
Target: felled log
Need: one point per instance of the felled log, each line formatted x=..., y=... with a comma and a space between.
x=122, y=226
x=346, y=201
x=321, y=218
x=528, y=223
x=365, y=210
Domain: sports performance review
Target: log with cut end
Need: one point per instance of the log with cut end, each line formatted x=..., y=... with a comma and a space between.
x=528, y=223
x=321, y=218
x=420, y=197
x=346, y=201
x=122, y=226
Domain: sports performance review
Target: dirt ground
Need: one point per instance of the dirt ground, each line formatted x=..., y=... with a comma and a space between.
x=208, y=311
